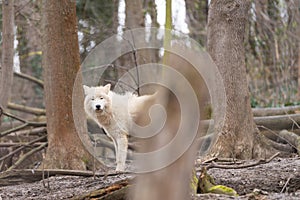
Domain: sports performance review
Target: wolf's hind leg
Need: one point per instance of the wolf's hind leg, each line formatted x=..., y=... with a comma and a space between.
x=122, y=143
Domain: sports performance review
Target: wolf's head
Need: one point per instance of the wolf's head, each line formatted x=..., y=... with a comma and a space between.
x=97, y=100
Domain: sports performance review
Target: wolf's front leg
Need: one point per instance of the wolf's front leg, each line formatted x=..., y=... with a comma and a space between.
x=121, y=154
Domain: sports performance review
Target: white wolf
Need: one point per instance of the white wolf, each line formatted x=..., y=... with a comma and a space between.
x=115, y=114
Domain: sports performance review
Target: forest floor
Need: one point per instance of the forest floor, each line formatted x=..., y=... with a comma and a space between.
x=277, y=179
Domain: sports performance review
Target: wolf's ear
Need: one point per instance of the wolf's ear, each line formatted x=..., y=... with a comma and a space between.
x=107, y=88
x=86, y=89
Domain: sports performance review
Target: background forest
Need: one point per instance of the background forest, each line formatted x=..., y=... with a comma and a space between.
x=271, y=40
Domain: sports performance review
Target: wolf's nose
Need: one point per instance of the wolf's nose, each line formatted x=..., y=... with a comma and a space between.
x=98, y=107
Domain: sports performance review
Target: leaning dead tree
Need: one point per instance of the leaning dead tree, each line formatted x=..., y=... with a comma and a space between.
x=260, y=112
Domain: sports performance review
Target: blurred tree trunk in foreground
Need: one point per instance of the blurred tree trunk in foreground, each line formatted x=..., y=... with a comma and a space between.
x=7, y=52
x=170, y=180
x=61, y=63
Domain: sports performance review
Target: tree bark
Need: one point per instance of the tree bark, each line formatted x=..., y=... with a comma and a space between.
x=226, y=30
x=61, y=63
x=134, y=14
x=7, y=52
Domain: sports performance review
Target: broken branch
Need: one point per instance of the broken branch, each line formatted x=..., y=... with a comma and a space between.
x=26, y=109
x=30, y=78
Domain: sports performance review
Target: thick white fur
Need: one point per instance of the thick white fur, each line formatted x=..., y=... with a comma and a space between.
x=115, y=114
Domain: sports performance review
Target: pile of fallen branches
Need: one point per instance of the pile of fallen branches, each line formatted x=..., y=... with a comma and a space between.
x=22, y=139
x=280, y=125
x=18, y=143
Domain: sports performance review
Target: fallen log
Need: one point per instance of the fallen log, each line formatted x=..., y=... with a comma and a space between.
x=260, y=112
x=277, y=122
x=14, y=177
x=116, y=191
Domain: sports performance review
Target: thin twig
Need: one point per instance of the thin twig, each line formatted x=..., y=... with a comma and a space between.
x=261, y=161
x=30, y=78
x=289, y=116
x=128, y=72
x=124, y=83
x=1, y=111
x=135, y=63
x=285, y=185
x=14, y=117
x=135, y=60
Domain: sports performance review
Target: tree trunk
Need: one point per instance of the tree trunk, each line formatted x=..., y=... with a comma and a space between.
x=296, y=9
x=134, y=14
x=29, y=38
x=61, y=63
x=7, y=52
x=196, y=14
x=226, y=30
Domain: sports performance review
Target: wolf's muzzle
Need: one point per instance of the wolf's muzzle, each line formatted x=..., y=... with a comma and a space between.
x=98, y=107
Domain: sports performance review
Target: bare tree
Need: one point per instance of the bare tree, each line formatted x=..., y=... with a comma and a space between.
x=7, y=52
x=61, y=63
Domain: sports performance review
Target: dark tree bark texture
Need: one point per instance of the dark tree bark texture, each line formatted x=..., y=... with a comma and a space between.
x=226, y=29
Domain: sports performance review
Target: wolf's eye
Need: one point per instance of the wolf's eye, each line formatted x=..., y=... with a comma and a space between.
x=101, y=98
x=93, y=98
